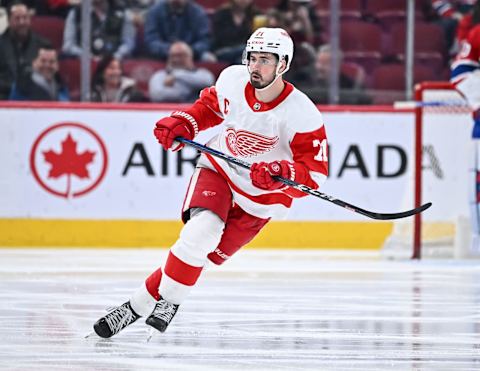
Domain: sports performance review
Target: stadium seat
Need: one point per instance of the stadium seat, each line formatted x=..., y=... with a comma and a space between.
x=49, y=27
x=355, y=72
x=388, y=81
x=349, y=9
x=141, y=70
x=430, y=45
x=361, y=43
x=214, y=67
x=389, y=12
x=375, y=7
x=360, y=36
x=429, y=37
x=69, y=70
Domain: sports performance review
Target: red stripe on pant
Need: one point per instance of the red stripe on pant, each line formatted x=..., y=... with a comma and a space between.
x=180, y=271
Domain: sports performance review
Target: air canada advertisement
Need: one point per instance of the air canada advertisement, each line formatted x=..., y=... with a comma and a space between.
x=99, y=163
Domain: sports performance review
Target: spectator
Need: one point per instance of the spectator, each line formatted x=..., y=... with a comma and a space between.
x=136, y=9
x=352, y=90
x=18, y=47
x=303, y=66
x=301, y=20
x=232, y=26
x=34, y=6
x=112, y=32
x=275, y=18
x=109, y=84
x=177, y=20
x=42, y=82
x=181, y=81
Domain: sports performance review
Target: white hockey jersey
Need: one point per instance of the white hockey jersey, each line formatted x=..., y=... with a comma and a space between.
x=465, y=73
x=288, y=128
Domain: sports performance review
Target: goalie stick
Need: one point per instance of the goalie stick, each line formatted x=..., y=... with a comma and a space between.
x=306, y=189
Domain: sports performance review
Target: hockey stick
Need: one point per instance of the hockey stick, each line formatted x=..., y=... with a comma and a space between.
x=306, y=189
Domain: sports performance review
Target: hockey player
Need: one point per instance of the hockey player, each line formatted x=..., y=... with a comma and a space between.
x=266, y=121
x=466, y=78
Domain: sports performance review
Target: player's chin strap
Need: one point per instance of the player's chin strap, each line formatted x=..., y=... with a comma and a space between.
x=277, y=75
x=306, y=189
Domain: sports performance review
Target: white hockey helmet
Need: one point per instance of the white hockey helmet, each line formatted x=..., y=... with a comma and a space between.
x=271, y=40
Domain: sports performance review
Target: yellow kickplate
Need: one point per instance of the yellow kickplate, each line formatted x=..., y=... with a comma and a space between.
x=141, y=233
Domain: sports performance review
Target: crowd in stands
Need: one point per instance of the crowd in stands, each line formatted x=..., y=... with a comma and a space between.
x=168, y=50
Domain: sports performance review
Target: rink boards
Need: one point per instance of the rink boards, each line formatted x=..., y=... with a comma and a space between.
x=94, y=175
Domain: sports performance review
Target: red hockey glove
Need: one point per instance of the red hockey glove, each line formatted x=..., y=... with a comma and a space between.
x=261, y=174
x=180, y=124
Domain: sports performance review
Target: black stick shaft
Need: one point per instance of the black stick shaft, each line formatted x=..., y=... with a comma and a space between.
x=306, y=189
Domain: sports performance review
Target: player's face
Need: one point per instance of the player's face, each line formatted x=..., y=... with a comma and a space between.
x=262, y=68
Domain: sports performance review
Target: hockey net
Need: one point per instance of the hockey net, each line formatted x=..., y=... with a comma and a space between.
x=439, y=174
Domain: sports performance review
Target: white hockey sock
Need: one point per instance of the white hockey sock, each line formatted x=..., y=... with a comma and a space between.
x=142, y=302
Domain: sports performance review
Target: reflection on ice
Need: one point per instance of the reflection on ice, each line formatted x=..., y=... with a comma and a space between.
x=278, y=310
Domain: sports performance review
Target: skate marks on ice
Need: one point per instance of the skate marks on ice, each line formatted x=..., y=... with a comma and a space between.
x=265, y=310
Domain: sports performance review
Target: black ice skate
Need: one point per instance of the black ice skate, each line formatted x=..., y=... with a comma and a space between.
x=115, y=321
x=162, y=315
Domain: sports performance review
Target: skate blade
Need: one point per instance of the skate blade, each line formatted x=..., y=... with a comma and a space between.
x=150, y=334
x=89, y=334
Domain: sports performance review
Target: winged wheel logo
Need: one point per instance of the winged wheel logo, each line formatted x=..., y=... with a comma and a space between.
x=246, y=144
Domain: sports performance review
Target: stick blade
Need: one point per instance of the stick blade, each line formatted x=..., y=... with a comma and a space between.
x=403, y=214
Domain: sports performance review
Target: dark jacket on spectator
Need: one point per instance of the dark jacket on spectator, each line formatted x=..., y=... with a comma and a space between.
x=113, y=35
x=15, y=58
x=229, y=38
x=226, y=32
x=31, y=86
x=163, y=26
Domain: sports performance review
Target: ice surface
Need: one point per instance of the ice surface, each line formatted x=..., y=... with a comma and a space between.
x=263, y=310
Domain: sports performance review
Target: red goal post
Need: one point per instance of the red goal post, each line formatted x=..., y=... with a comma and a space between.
x=446, y=99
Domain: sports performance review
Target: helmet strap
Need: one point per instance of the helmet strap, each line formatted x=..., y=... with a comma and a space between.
x=277, y=75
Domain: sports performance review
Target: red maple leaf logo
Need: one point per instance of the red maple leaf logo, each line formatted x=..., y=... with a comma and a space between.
x=68, y=162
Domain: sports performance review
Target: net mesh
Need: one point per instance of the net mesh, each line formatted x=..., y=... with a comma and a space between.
x=445, y=119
